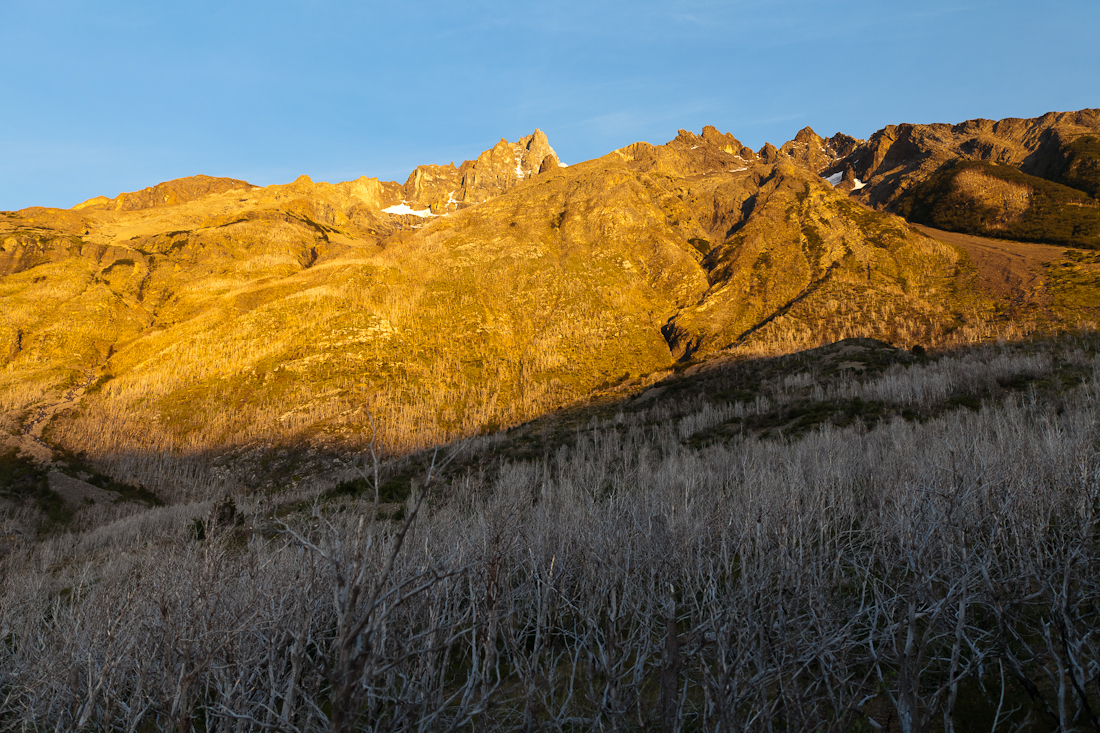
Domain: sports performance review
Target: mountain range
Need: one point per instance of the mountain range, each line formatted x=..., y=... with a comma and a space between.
x=207, y=335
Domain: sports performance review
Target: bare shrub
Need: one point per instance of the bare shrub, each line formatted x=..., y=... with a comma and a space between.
x=913, y=571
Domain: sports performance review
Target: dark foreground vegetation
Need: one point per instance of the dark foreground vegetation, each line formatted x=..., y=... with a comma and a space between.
x=858, y=538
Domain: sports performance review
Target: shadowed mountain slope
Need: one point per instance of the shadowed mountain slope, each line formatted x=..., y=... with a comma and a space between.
x=898, y=157
x=1030, y=180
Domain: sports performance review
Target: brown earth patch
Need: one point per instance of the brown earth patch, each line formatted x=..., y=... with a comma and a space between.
x=1009, y=270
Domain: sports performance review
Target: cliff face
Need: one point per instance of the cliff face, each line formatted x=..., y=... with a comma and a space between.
x=241, y=318
x=818, y=154
x=447, y=188
x=898, y=157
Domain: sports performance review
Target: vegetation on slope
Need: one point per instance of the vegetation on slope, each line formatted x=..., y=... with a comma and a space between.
x=987, y=199
x=1074, y=281
x=280, y=318
x=833, y=540
x=23, y=487
x=900, y=157
x=245, y=336
x=649, y=571
x=1082, y=165
x=810, y=267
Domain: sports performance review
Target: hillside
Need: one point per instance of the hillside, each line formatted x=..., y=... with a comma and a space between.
x=686, y=436
x=1032, y=180
x=989, y=199
x=748, y=540
x=279, y=316
x=898, y=157
x=206, y=335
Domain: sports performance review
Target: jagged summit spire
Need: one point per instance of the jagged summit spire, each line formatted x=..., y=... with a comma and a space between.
x=506, y=164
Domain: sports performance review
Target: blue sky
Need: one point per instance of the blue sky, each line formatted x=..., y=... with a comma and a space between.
x=102, y=97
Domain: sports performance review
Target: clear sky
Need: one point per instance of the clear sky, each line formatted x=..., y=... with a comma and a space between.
x=102, y=97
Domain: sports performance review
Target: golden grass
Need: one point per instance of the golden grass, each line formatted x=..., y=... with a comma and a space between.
x=1012, y=199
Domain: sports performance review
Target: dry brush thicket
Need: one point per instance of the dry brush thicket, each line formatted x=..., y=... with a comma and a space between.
x=932, y=574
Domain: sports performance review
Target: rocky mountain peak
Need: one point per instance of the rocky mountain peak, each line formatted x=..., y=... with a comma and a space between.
x=531, y=152
x=536, y=149
x=336, y=294
x=448, y=188
x=807, y=135
x=689, y=154
x=769, y=153
x=710, y=139
x=725, y=142
x=815, y=153
x=842, y=144
x=898, y=156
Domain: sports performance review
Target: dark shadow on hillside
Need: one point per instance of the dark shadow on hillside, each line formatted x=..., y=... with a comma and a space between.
x=842, y=385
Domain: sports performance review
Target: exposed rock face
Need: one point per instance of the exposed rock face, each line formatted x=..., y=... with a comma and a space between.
x=549, y=163
x=169, y=193
x=727, y=143
x=769, y=153
x=807, y=149
x=899, y=157
x=535, y=149
x=1080, y=165
x=445, y=188
x=841, y=145
x=691, y=155
x=815, y=153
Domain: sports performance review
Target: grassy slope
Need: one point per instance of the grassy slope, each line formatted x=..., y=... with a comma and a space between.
x=1053, y=213
x=815, y=499
x=810, y=267
x=295, y=316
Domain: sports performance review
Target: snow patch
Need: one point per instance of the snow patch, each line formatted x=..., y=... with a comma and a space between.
x=857, y=184
x=835, y=179
x=403, y=208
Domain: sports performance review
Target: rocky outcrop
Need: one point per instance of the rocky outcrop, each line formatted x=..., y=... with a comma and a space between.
x=446, y=188
x=169, y=193
x=899, y=157
x=689, y=154
x=811, y=151
x=769, y=153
